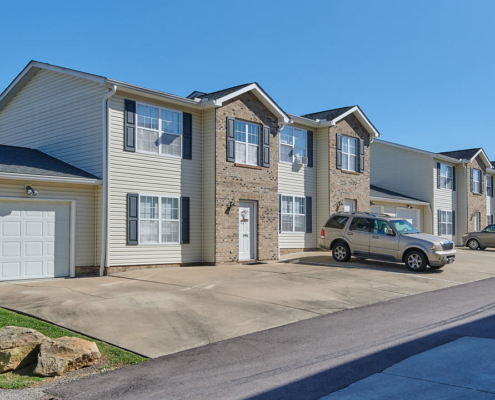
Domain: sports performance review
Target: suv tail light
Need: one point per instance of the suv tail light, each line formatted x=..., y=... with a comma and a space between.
x=322, y=233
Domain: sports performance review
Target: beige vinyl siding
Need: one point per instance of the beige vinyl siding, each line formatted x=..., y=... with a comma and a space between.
x=152, y=174
x=209, y=155
x=322, y=179
x=445, y=199
x=300, y=181
x=84, y=195
x=402, y=171
x=59, y=115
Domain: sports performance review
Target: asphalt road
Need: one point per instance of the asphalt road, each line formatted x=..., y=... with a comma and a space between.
x=306, y=359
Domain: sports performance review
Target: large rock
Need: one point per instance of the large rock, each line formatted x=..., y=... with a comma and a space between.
x=18, y=347
x=58, y=356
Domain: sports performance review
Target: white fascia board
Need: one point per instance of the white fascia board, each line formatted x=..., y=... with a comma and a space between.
x=295, y=119
x=361, y=117
x=45, y=178
x=387, y=200
x=419, y=151
x=483, y=156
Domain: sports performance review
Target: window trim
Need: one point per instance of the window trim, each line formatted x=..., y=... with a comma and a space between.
x=160, y=108
x=451, y=223
x=451, y=167
x=294, y=196
x=348, y=155
x=160, y=196
x=280, y=144
x=260, y=138
x=477, y=181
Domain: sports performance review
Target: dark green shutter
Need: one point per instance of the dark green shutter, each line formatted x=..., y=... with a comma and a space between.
x=187, y=136
x=453, y=223
x=280, y=213
x=453, y=179
x=230, y=139
x=339, y=151
x=266, y=146
x=439, y=222
x=130, y=125
x=361, y=155
x=310, y=149
x=132, y=218
x=309, y=214
x=185, y=220
x=491, y=190
x=482, y=182
x=472, y=182
x=439, y=167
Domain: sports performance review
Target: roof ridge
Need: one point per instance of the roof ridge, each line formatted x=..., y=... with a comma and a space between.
x=331, y=109
x=229, y=88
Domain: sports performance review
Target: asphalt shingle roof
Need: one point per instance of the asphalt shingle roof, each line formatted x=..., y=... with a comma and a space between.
x=21, y=160
x=328, y=114
x=466, y=154
x=376, y=191
x=218, y=94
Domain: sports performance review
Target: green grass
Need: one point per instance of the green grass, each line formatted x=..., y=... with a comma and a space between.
x=113, y=355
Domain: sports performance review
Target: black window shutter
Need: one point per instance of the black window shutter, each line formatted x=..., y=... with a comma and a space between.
x=132, y=218
x=492, y=219
x=439, y=222
x=453, y=223
x=361, y=155
x=185, y=220
x=453, y=178
x=472, y=183
x=438, y=175
x=339, y=151
x=482, y=182
x=280, y=213
x=230, y=139
x=310, y=149
x=266, y=146
x=491, y=194
x=130, y=125
x=309, y=214
x=187, y=136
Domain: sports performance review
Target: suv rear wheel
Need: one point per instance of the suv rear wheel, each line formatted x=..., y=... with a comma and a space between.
x=416, y=261
x=341, y=252
x=473, y=244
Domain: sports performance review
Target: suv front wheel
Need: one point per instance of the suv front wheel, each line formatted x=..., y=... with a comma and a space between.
x=416, y=261
x=341, y=252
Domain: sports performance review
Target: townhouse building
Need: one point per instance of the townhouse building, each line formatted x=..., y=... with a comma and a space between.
x=100, y=176
x=448, y=193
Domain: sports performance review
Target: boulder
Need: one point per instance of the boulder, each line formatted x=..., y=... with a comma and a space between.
x=58, y=356
x=18, y=347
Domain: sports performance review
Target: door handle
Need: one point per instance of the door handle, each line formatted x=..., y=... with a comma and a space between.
x=375, y=237
x=350, y=233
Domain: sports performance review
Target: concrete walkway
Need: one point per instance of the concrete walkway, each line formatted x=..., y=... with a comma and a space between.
x=163, y=311
x=463, y=369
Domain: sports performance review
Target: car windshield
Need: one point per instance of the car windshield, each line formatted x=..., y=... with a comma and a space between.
x=404, y=227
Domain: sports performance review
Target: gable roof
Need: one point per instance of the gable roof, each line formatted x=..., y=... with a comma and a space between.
x=381, y=193
x=466, y=154
x=328, y=115
x=218, y=94
x=25, y=163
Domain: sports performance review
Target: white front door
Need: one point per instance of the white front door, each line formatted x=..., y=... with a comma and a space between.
x=477, y=222
x=411, y=216
x=246, y=231
x=34, y=240
x=349, y=205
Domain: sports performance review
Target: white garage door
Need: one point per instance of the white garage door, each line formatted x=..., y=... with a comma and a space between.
x=410, y=215
x=34, y=240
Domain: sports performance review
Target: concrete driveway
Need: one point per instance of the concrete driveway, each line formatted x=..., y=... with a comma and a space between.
x=162, y=311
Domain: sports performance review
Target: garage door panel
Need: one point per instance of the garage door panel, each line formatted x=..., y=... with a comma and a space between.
x=34, y=240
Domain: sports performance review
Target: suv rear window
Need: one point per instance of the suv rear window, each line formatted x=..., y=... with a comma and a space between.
x=337, y=222
x=360, y=224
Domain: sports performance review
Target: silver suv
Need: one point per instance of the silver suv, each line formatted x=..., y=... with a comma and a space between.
x=382, y=237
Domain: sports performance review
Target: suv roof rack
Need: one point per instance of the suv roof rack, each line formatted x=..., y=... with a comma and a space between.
x=368, y=213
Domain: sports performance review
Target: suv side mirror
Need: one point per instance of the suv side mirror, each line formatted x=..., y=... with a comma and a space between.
x=389, y=232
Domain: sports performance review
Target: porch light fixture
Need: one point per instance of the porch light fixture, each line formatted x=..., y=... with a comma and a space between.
x=372, y=204
x=31, y=192
x=231, y=203
x=410, y=207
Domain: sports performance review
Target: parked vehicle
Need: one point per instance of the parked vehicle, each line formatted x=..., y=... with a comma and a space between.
x=480, y=240
x=382, y=237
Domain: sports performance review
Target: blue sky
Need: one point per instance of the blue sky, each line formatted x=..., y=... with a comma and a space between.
x=423, y=71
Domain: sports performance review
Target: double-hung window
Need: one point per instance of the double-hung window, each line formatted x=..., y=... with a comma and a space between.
x=349, y=153
x=446, y=223
x=293, y=214
x=293, y=144
x=477, y=181
x=159, y=130
x=446, y=176
x=247, y=143
x=158, y=219
x=489, y=186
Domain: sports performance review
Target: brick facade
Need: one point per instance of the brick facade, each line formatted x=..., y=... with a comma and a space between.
x=236, y=182
x=476, y=202
x=346, y=184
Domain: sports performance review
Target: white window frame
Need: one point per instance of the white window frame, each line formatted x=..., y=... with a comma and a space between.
x=160, y=220
x=160, y=131
x=446, y=176
x=445, y=223
x=294, y=214
x=348, y=154
x=293, y=145
x=478, y=181
x=354, y=205
x=246, y=143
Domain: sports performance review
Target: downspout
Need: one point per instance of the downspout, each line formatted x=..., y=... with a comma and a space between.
x=466, y=230
x=431, y=218
x=106, y=151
